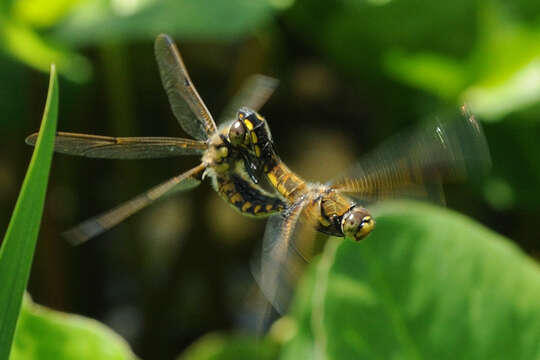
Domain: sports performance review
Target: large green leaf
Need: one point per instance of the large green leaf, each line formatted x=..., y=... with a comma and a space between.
x=220, y=347
x=20, y=241
x=427, y=284
x=47, y=334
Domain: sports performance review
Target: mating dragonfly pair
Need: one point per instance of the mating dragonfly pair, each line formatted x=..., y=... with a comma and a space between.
x=241, y=152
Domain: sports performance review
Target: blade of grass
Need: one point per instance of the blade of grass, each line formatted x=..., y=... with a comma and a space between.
x=19, y=242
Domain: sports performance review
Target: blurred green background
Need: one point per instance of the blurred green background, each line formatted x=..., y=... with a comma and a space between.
x=352, y=74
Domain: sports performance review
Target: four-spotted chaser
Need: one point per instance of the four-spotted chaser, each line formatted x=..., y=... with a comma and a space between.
x=220, y=160
x=413, y=164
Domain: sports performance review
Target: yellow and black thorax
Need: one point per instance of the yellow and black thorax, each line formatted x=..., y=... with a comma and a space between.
x=261, y=147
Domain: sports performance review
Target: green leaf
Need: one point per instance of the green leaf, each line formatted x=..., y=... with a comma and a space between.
x=220, y=347
x=355, y=34
x=20, y=240
x=500, y=76
x=95, y=22
x=430, y=72
x=481, y=53
x=5, y=7
x=43, y=333
x=29, y=47
x=427, y=284
x=506, y=63
x=42, y=13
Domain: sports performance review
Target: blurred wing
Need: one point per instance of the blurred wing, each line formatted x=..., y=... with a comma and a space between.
x=254, y=93
x=414, y=164
x=98, y=224
x=282, y=262
x=95, y=146
x=186, y=104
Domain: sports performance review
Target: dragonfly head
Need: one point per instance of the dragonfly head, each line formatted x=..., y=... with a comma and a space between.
x=243, y=129
x=238, y=134
x=243, y=136
x=357, y=223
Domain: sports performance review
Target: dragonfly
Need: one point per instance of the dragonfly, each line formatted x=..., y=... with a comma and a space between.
x=413, y=164
x=220, y=160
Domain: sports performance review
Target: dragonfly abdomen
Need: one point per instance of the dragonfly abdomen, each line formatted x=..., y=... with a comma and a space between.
x=286, y=182
x=245, y=198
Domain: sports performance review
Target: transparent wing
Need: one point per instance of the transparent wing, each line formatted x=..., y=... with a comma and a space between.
x=415, y=163
x=186, y=104
x=95, y=146
x=98, y=224
x=253, y=94
x=287, y=248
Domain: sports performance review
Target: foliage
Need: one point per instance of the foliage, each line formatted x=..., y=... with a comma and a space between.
x=74, y=23
x=97, y=22
x=498, y=77
x=426, y=284
x=17, y=249
x=27, y=46
x=20, y=39
x=220, y=347
x=43, y=333
x=429, y=283
x=474, y=52
x=432, y=284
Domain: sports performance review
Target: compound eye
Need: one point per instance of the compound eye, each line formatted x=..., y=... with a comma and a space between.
x=237, y=133
x=357, y=224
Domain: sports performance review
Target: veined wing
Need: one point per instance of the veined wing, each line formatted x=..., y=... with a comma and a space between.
x=415, y=163
x=186, y=104
x=253, y=94
x=98, y=224
x=95, y=146
x=282, y=262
